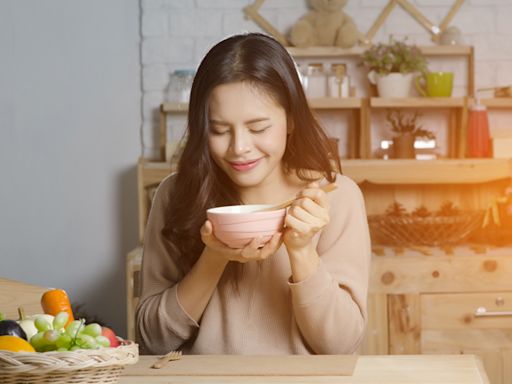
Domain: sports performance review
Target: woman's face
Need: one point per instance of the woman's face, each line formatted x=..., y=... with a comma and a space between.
x=248, y=131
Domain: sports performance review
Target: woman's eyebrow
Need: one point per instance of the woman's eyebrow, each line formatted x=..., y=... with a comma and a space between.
x=252, y=121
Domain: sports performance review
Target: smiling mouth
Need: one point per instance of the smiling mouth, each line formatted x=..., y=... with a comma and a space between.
x=244, y=166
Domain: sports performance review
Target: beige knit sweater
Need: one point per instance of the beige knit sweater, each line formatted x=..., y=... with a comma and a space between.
x=324, y=314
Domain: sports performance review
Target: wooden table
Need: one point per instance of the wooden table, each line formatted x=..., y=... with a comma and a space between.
x=389, y=369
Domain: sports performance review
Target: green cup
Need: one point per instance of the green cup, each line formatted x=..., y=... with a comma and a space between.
x=435, y=84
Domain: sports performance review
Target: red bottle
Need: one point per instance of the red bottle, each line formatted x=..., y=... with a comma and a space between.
x=479, y=140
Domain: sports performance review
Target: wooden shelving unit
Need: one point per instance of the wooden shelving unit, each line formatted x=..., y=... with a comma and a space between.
x=360, y=146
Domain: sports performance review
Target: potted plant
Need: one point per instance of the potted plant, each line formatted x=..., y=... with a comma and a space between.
x=392, y=67
x=406, y=129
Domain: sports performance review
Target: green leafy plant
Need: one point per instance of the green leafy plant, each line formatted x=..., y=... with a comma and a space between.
x=395, y=56
x=402, y=124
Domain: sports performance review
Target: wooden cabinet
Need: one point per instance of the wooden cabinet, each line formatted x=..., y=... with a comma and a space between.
x=429, y=304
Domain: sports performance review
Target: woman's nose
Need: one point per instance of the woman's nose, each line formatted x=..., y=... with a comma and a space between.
x=240, y=142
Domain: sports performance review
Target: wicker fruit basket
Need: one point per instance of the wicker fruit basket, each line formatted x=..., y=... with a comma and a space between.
x=82, y=366
x=410, y=230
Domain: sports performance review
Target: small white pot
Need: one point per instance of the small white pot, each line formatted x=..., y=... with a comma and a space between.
x=393, y=84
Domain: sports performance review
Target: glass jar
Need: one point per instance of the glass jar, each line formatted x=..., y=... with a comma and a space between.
x=315, y=81
x=180, y=84
x=338, y=82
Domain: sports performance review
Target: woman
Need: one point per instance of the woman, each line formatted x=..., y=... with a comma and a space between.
x=252, y=139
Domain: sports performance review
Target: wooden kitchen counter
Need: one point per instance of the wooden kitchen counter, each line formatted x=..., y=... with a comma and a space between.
x=390, y=369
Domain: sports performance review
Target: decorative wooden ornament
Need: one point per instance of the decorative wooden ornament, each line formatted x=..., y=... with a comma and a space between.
x=252, y=13
x=417, y=15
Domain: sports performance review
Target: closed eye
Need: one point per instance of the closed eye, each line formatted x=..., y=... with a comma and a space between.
x=259, y=130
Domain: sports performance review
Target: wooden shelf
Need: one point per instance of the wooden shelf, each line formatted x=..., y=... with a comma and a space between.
x=499, y=102
x=418, y=102
x=174, y=107
x=429, y=50
x=447, y=171
x=335, y=103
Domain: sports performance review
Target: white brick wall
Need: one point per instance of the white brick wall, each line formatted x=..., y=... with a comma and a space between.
x=177, y=33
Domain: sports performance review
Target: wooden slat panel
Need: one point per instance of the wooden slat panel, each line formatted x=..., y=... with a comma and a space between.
x=404, y=324
x=376, y=339
x=335, y=103
x=417, y=102
x=446, y=171
x=430, y=50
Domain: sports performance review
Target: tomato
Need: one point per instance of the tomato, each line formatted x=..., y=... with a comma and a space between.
x=15, y=344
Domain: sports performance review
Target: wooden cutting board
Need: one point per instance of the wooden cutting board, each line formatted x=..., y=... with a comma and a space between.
x=238, y=365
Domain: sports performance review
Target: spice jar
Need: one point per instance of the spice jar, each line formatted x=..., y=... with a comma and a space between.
x=180, y=84
x=338, y=83
x=315, y=81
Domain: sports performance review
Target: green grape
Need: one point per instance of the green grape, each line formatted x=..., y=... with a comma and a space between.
x=38, y=341
x=60, y=320
x=74, y=348
x=62, y=349
x=103, y=341
x=92, y=329
x=48, y=348
x=42, y=325
x=51, y=336
x=64, y=341
x=86, y=341
x=74, y=328
x=2, y=316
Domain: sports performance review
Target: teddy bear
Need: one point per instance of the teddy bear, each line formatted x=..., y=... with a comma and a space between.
x=326, y=24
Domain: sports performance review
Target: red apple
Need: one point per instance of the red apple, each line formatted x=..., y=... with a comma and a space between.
x=109, y=334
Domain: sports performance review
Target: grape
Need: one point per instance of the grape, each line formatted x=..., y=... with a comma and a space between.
x=92, y=329
x=60, y=320
x=42, y=325
x=38, y=341
x=64, y=341
x=103, y=341
x=51, y=336
x=75, y=336
x=86, y=341
x=74, y=328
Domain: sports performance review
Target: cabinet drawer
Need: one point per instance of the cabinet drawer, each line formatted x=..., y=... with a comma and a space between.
x=458, y=311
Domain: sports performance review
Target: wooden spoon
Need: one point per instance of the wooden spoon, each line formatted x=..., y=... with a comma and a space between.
x=326, y=188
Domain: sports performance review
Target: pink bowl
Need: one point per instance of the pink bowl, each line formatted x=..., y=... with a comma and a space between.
x=237, y=225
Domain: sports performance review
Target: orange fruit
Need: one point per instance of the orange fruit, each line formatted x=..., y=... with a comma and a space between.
x=15, y=344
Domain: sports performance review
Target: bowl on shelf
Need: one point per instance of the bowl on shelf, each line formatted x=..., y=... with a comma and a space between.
x=237, y=225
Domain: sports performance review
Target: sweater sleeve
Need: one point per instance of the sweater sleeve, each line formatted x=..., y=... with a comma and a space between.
x=330, y=306
x=161, y=322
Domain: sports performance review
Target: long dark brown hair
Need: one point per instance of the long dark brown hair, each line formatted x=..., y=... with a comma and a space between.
x=200, y=184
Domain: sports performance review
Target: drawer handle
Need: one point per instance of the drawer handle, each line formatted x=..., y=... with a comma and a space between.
x=483, y=312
